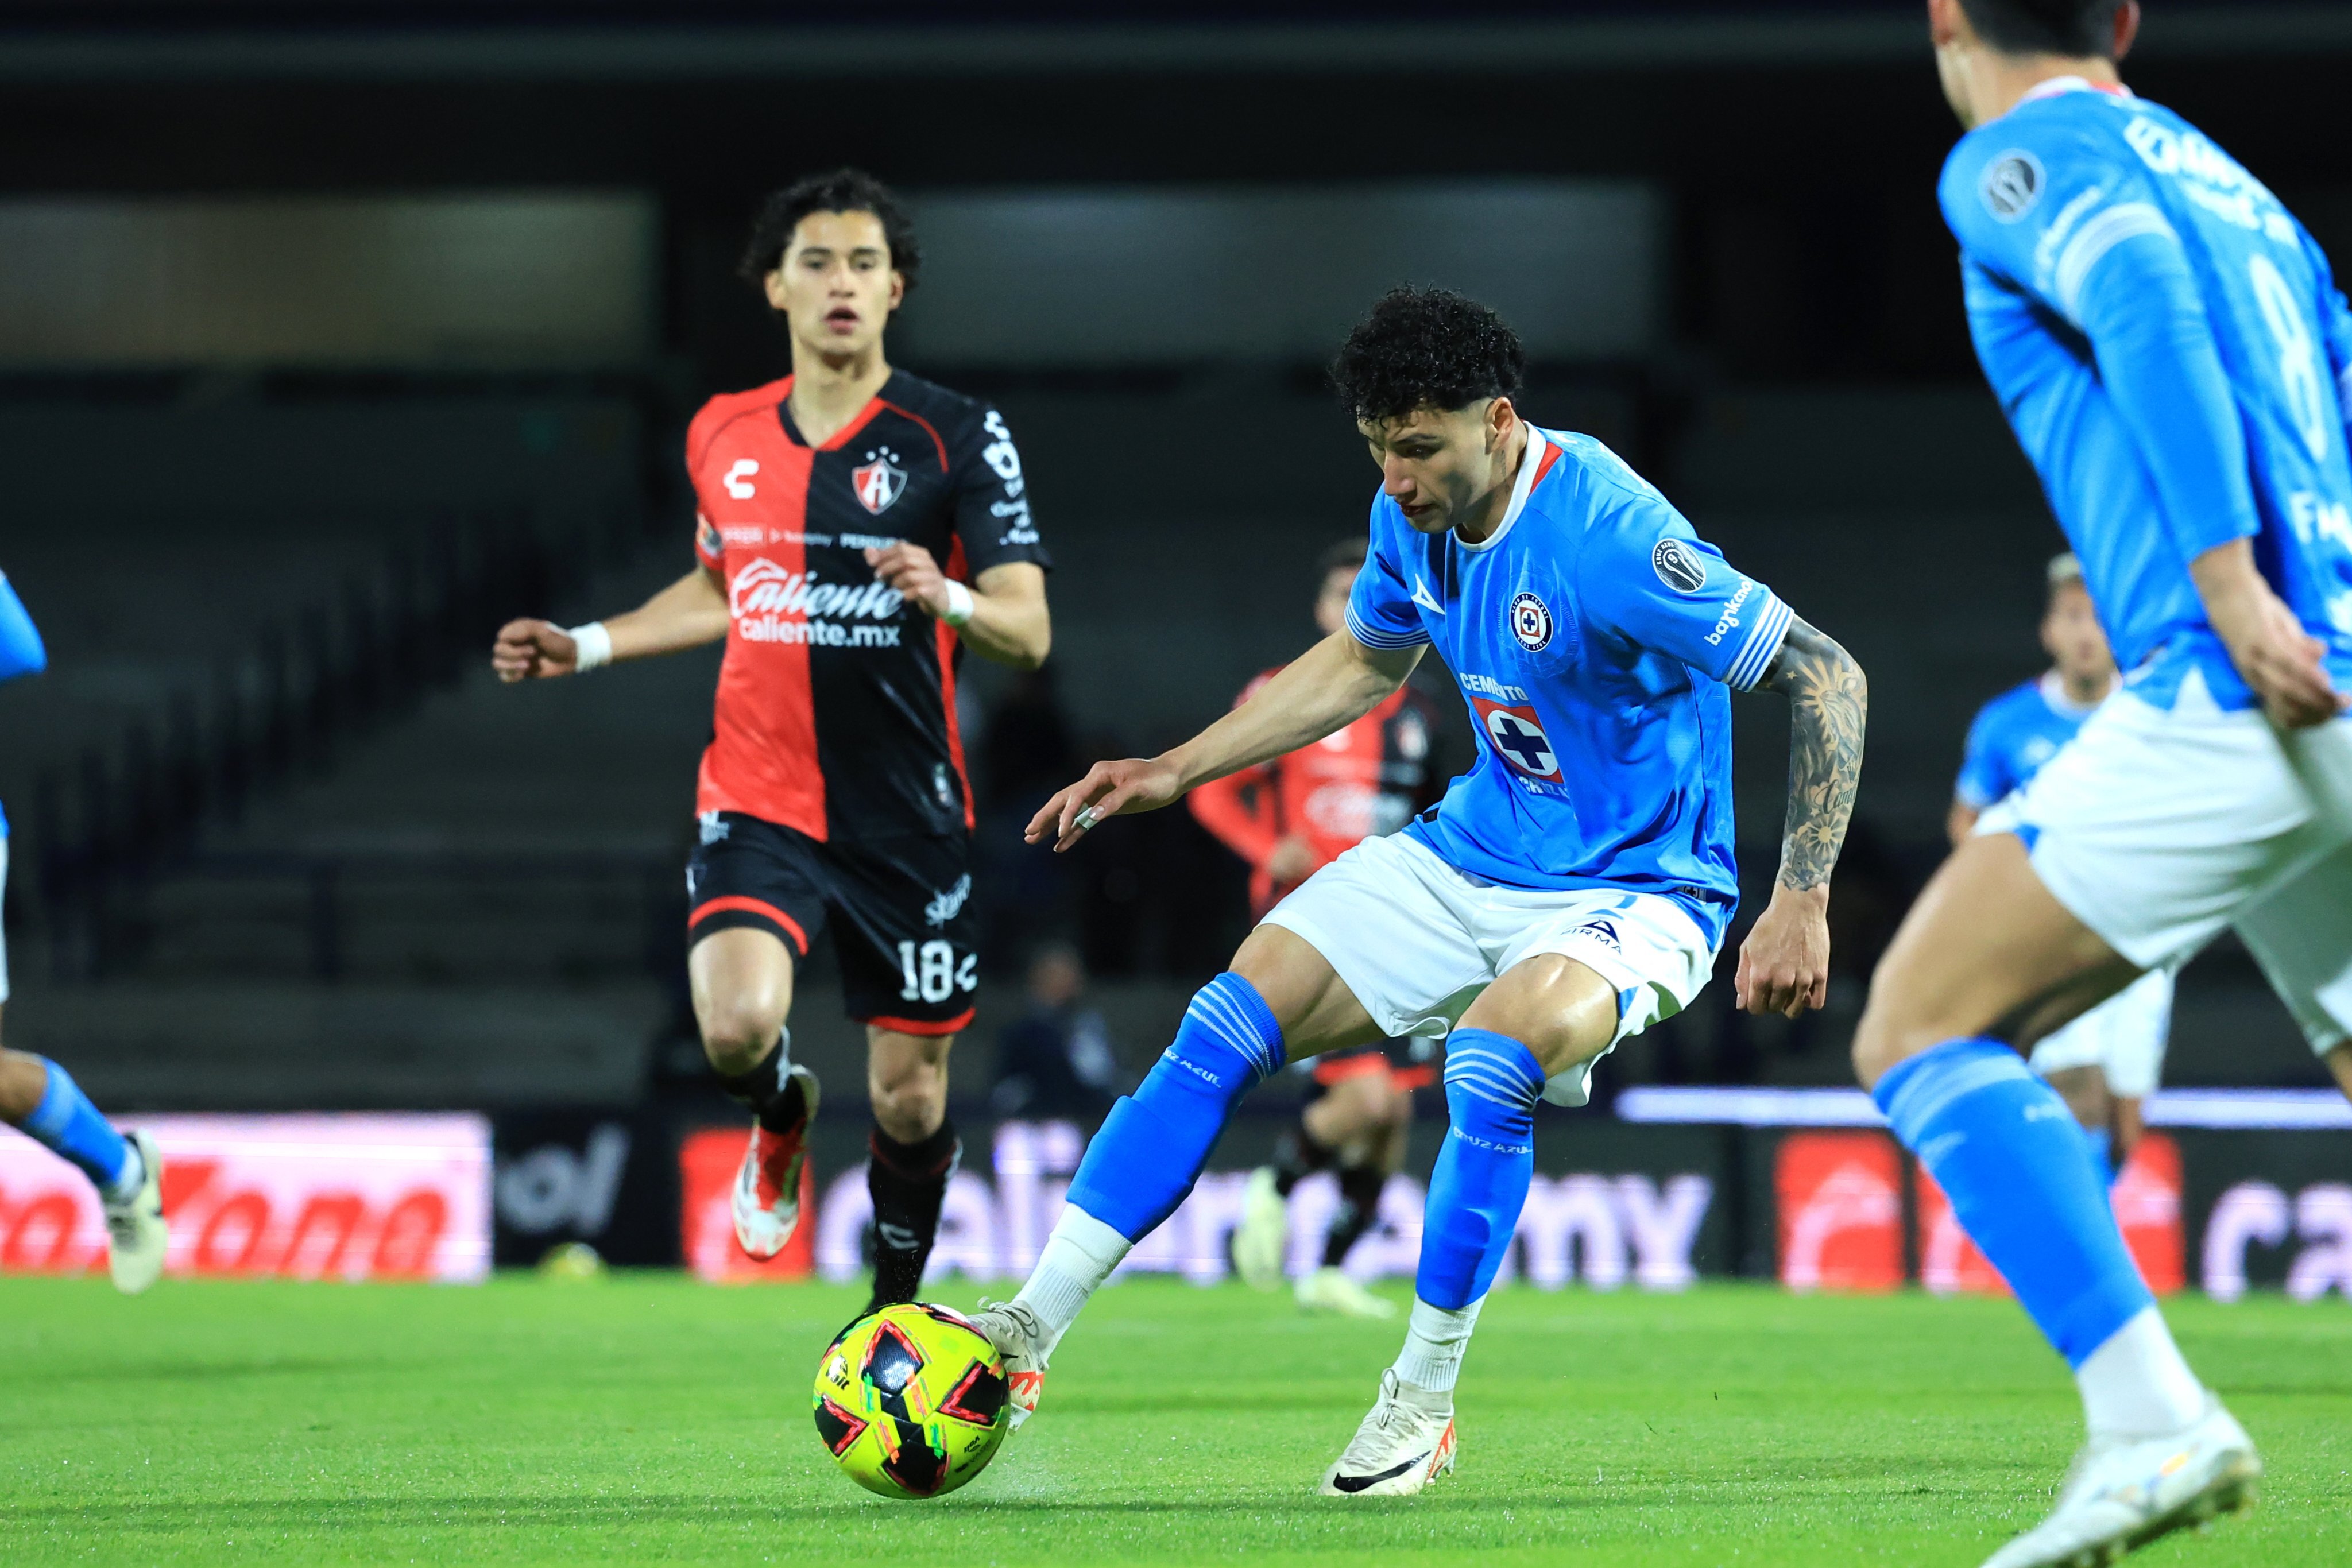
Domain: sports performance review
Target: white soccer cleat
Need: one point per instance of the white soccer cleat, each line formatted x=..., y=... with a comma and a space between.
x=1403, y=1445
x=1263, y=1234
x=767, y=1200
x=2123, y=1493
x=1331, y=1290
x=1020, y=1339
x=135, y=1231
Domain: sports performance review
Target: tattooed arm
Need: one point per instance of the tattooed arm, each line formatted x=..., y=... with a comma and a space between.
x=1784, y=965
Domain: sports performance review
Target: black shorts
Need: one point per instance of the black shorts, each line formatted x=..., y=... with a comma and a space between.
x=901, y=909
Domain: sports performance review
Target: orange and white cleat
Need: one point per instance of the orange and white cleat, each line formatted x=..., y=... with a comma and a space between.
x=767, y=1186
x=1020, y=1339
x=1403, y=1445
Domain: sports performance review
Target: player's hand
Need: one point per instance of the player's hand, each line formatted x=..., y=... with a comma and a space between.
x=1292, y=862
x=910, y=568
x=1111, y=789
x=533, y=650
x=2283, y=663
x=1784, y=965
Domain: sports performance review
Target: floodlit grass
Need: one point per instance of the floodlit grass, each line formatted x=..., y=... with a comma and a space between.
x=648, y=1420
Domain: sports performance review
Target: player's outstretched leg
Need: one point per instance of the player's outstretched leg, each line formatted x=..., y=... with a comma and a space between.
x=1138, y=1167
x=1475, y=1193
x=41, y=1100
x=1984, y=941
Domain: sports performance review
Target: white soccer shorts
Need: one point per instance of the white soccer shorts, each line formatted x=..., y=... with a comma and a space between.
x=2301, y=935
x=2124, y=1035
x=1417, y=940
x=2156, y=828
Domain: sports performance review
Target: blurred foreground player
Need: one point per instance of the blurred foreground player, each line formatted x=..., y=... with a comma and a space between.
x=1570, y=890
x=2167, y=343
x=2105, y=1063
x=1289, y=818
x=856, y=528
x=40, y=1100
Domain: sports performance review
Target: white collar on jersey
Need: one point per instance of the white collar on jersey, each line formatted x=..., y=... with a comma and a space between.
x=1526, y=482
x=2057, y=85
x=2053, y=692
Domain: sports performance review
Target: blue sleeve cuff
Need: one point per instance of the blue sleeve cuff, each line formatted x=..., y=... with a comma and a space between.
x=1373, y=637
x=1763, y=646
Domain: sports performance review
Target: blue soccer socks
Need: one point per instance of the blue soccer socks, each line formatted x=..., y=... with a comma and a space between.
x=1492, y=1082
x=67, y=1124
x=1151, y=1147
x=2019, y=1173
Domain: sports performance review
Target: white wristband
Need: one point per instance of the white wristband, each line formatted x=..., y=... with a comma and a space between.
x=593, y=645
x=960, y=605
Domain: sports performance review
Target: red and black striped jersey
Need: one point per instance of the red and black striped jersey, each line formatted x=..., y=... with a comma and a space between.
x=836, y=712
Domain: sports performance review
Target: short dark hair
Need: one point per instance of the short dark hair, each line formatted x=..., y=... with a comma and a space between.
x=1425, y=347
x=841, y=191
x=1348, y=555
x=2076, y=28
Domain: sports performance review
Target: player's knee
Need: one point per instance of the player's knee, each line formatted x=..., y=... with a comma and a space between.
x=736, y=1037
x=23, y=1079
x=1563, y=1012
x=910, y=1102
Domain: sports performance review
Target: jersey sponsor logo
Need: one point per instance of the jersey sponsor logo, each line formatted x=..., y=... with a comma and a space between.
x=1001, y=456
x=1421, y=596
x=773, y=603
x=738, y=478
x=751, y=538
x=2012, y=182
x=1488, y=685
x=1729, y=621
x=1518, y=739
x=1531, y=622
x=879, y=481
x=1678, y=566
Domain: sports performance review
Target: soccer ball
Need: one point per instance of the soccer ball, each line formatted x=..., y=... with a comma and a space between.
x=912, y=1401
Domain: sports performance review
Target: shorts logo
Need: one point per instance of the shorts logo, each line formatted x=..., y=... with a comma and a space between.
x=947, y=906
x=2012, y=182
x=1531, y=622
x=1518, y=739
x=1678, y=566
x=879, y=481
x=714, y=827
x=1601, y=931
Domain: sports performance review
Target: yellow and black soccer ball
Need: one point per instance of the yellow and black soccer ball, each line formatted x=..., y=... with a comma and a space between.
x=912, y=1401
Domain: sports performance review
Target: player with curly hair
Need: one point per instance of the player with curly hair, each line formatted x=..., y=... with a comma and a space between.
x=1568, y=892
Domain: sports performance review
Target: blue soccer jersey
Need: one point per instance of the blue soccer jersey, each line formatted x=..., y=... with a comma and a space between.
x=2013, y=736
x=1593, y=635
x=2170, y=346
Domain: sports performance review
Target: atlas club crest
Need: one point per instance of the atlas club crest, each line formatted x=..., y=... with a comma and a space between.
x=879, y=481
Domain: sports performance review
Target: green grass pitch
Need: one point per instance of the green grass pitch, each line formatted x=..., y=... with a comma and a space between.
x=650, y=1419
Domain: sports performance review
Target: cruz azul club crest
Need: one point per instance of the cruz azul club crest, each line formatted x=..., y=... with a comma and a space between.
x=879, y=481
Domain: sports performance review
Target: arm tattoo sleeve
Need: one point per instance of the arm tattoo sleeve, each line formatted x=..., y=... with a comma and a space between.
x=1828, y=701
